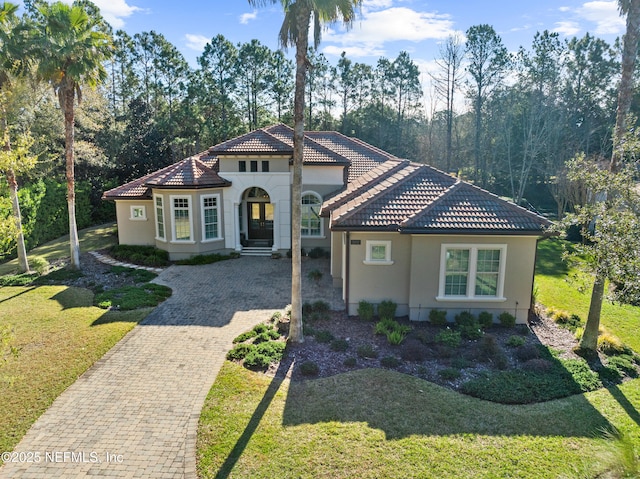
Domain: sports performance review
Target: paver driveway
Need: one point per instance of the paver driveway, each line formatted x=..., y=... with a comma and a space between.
x=135, y=413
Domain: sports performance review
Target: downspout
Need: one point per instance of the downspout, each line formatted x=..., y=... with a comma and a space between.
x=533, y=280
x=346, y=272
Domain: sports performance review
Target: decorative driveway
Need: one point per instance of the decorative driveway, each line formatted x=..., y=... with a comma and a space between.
x=135, y=413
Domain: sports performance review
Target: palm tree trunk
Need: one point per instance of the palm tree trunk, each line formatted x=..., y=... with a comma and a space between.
x=295, y=330
x=589, y=340
x=69, y=136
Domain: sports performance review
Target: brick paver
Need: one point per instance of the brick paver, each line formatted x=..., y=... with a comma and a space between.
x=135, y=413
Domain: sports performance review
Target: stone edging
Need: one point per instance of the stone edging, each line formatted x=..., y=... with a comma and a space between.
x=103, y=258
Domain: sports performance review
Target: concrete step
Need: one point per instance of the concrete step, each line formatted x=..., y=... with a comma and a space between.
x=256, y=251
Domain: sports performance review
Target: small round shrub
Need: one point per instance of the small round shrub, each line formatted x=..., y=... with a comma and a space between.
x=465, y=318
x=449, y=374
x=527, y=352
x=516, y=341
x=260, y=328
x=507, y=320
x=315, y=275
x=470, y=331
x=560, y=317
x=365, y=310
x=273, y=349
x=244, y=336
x=367, y=351
x=500, y=361
x=317, y=252
x=390, y=362
x=275, y=317
x=350, y=362
x=485, y=319
x=240, y=351
x=413, y=350
x=488, y=348
x=387, y=309
x=438, y=317
x=449, y=337
x=324, y=336
x=266, y=336
x=320, y=306
x=309, y=368
x=339, y=345
x=538, y=365
x=255, y=360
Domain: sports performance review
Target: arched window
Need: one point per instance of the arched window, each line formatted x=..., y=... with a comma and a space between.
x=311, y=221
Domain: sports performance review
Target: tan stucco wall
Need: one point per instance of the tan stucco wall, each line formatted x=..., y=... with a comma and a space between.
x=135, y=232
x=376, y=283
x=425, y=275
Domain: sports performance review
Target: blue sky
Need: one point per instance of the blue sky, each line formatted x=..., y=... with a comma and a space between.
x=384, y=27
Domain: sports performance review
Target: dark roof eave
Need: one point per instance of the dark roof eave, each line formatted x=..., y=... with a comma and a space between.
x=188, y=187
x=472, y=231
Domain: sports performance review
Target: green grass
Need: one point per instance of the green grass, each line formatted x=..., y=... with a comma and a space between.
x=94, y=238
x=378, y=423
x=59, y=335
x=127, y=298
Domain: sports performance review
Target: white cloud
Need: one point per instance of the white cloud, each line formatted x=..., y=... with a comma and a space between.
x=564, y=9
x=354, y=51
x=115, y=11
x=605, y=15
x=196, y=42
x=247, y=17
x=567, y=28
x=375, y=28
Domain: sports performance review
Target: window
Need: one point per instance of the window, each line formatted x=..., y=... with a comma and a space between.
x=254, y=166
x=138, y=213
x=210, y=226
x=181, y=216
x=242, y=166
x=378, y=253
x=311, y=221
x=265, y=166
x=472, y=272
x=159, y=218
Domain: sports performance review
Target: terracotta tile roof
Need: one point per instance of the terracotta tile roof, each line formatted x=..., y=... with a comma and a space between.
x=416, y=198
x=362, y=156
x=192, y=172
x=314, y=153
x=256, y=142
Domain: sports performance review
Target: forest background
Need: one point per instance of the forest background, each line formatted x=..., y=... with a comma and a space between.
x=528, y=114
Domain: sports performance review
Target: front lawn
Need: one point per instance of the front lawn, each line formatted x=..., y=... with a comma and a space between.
x=379, y=423
x=58, y=334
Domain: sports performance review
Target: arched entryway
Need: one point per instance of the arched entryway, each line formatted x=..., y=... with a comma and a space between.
x=259, y=217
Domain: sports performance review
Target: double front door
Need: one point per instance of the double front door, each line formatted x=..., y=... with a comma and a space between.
x=260, y=222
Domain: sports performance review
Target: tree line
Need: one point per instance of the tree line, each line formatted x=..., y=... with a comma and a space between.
x=529, y=112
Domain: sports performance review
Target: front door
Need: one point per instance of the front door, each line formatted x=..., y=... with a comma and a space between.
x=261, y=223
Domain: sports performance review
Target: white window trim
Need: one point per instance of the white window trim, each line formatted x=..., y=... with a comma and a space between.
x=319, y=197
x=471, y=277
x=377, y=262
x=217, y=207
x=155, y=218
x=173, y=219
x=139, y=218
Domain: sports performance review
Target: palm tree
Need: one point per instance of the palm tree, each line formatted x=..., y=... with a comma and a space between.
x=13, y=59
x=295, y=32
x=73, y=43
x=630, y=8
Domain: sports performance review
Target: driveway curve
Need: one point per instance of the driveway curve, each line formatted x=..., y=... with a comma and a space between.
x=135, y=412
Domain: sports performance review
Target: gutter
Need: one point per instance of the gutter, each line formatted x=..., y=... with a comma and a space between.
x=347, y=261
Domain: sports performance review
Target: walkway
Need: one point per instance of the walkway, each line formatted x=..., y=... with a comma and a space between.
x=135, y=413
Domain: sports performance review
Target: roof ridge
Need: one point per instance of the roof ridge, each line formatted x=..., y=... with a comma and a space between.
x=385, y=191
x=437, y=200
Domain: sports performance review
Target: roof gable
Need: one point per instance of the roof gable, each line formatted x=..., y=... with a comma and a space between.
x=255, y=142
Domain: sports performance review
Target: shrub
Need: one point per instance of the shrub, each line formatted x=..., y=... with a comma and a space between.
x=395, y=337
x=449, y=337
x=578, y=333
x=611, y=345
x=423, y=336
x=527, y=352
x=244, y=336
x=255, y=360
x=516, y=341
x=18, y=280
x=538, y=365
x=587, y=379
x=315, y=275
x=470, y=331
x=443, y=351
x=127, y=298
x=365, y=310
x=317, y=252
x=485, y=319
x=390, y=362
x=266, y=336
x=500, y=360
x=438, y=317
x=260, y=328
x=339, y=345
x=564, y=319
x=240, y=351
x=449, y=373
x=275, y=317
x=143, y=255
x=460, y=363
x=387, y=309
x=507, y=320
x=367, y=351
x=350, y=362
x=273, y=349
x=413, y=350
x=324, y=336
x=203, y=259
x=39, y=264
x=623, y=363
x=309, y=368
x=320, y=306
x=465, y=318
x=488, y=348
x=318, y=316
x=560, y=317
